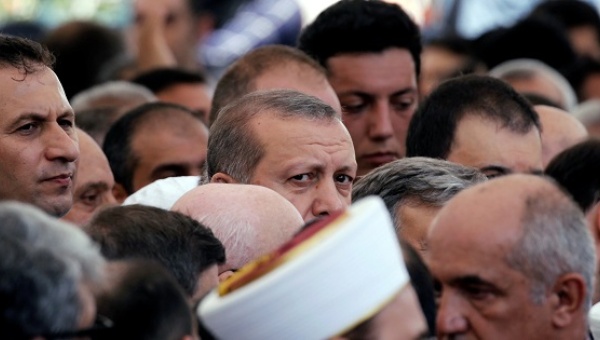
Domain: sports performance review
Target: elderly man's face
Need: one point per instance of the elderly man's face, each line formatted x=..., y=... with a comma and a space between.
x=38, y=143
x=482, y=297
x=494, y=150
x=378, y=93
x=310, y=163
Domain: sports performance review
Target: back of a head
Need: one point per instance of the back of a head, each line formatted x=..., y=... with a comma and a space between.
x=431, y=130
x=250, y=220
x=159, y=79
x=146, y=303
x=82, y=49
x=539, y=38
x=117, y=143
x=182, y=245
x=359, y=26
x=240, y=77
x=232, y=148
x=518, y=69
x=416, y=180
x=44, y=265
x=572, y=13
x=576, y=169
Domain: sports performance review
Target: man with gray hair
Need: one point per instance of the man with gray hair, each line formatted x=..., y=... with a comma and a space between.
x=48, y=271
x=530, y=76
x=98, y=107
x=414, y=190
x=515, y=260
x=287, y=141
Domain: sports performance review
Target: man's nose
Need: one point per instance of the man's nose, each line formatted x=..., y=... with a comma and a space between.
x=327, y=199
x=380, y=122
x=450, y=317
x=61, y=144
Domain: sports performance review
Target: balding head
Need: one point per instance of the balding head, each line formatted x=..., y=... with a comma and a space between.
x=517, y=250
x=250, y=220
x=560, y=130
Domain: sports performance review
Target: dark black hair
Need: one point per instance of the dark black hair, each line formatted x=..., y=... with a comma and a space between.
x=159, y=79
x=117, y=143
x=23, y=54
x=146, y=303
x=184, y=246
x=576, y=169
x=571, y=13
x=537, y=38
x=432, y=128
x=82, y=49
x=359, y=26
x=578, y=75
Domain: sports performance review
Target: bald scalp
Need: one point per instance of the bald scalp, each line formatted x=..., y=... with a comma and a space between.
x=250, y=220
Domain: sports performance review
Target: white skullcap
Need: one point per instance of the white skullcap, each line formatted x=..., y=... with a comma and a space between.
x=322, y=283
x=594, y=319
x=163, y=193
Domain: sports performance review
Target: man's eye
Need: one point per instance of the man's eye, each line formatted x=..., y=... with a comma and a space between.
x=65, y=123
x=354, y=108
x=301, y=177
x=27, y=128
x=344, y=179
x=90, y=198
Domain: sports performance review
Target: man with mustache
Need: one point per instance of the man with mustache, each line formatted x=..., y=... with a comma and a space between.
x=38, y=143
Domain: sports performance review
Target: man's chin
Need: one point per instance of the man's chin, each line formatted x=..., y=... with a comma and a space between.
x=57, y=207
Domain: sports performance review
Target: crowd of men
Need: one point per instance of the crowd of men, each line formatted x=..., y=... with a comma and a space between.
x=316, y=192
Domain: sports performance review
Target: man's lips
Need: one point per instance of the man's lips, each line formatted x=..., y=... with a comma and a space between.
x=62, y=179
x=379, y=158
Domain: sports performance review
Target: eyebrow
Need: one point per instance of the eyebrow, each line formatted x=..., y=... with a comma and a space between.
x=365, y=94
x=470, y=280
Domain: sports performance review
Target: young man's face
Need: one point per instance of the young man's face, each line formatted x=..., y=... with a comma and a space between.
x=378, y=94
x=309, y=162
x=38, y=144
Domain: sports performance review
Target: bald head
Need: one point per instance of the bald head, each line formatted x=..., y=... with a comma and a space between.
x=560, y=130
x=250, y=220
x=516, y=249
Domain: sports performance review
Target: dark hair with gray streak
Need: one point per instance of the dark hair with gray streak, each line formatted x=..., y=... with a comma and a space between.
x=419, y=180
x=555, y=241
x=232, y=147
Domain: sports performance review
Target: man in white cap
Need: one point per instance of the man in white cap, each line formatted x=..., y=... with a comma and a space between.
x=342, y=276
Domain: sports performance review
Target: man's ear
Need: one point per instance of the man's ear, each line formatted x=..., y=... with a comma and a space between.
x=225, y=275
x=120, y=193
x=220, y=177
x=594, y=219
x=568, y=297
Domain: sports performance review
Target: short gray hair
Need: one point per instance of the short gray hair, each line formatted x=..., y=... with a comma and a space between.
x=232, y=147
x=555, y=241
x=43, y=263
x=420, y=180
x=528, y=68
